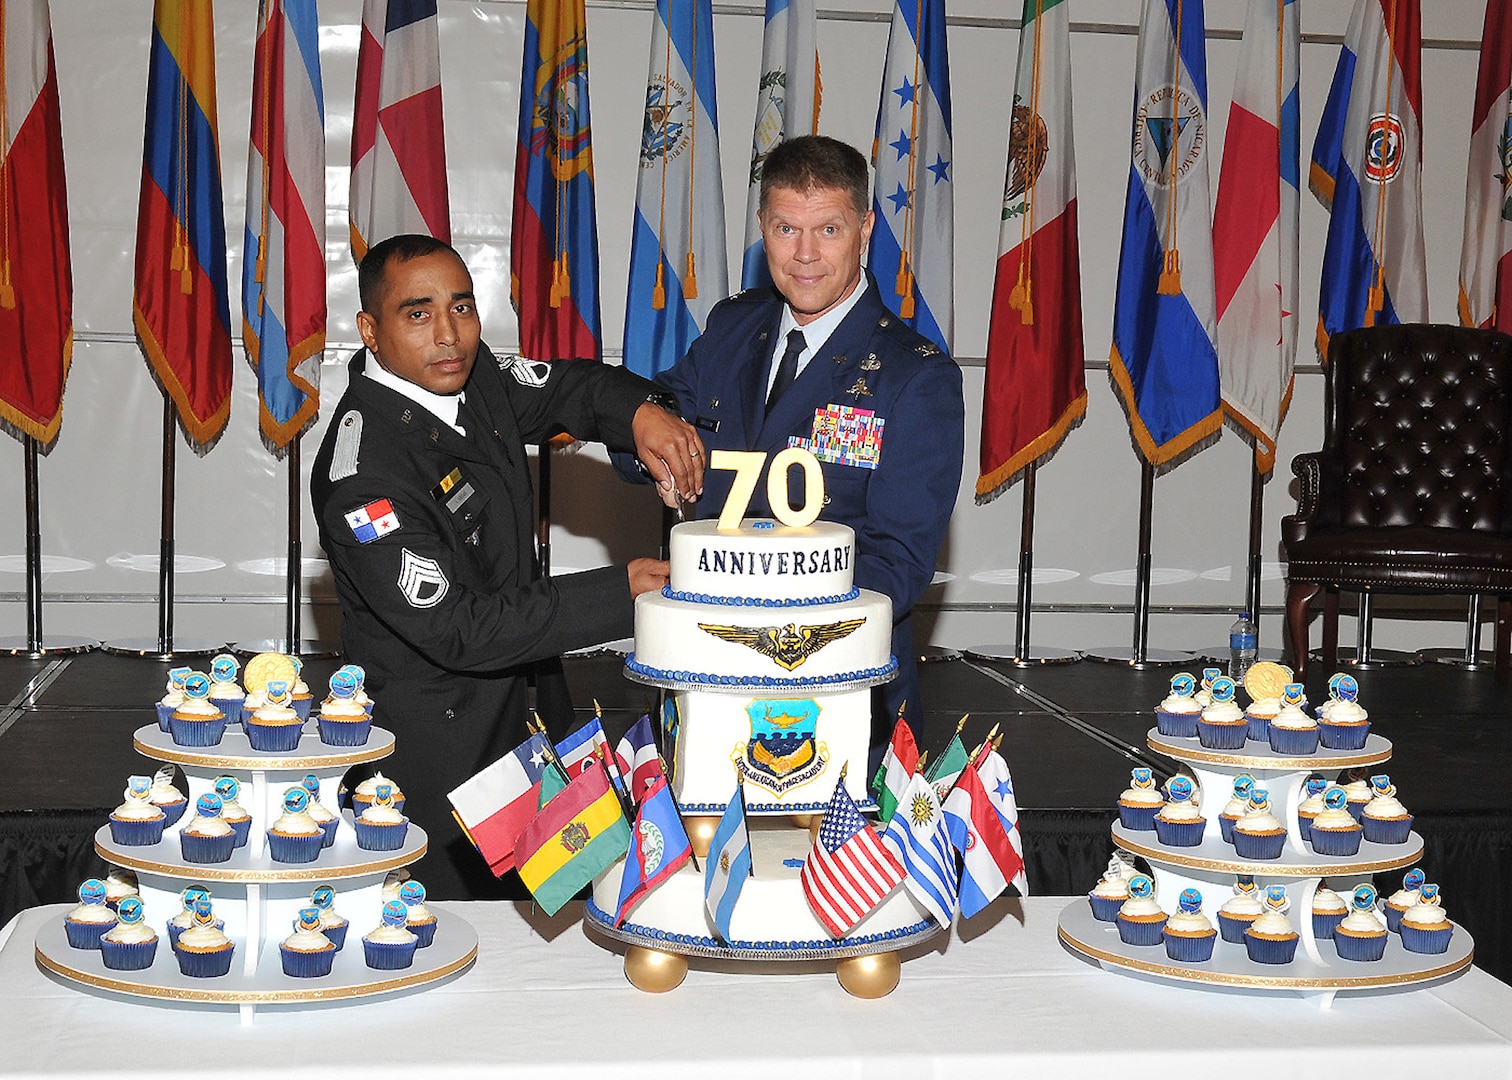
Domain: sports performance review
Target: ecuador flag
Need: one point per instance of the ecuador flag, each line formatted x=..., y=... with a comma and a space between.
x=575, y=837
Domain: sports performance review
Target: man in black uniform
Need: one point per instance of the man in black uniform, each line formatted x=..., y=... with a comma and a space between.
x=423, y=495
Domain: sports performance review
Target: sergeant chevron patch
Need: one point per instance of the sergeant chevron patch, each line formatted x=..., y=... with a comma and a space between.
x=531, y=373
x=421, y=580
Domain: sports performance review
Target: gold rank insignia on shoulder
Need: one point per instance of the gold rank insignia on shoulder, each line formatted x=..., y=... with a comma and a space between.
x=788, y=646
x=929, y=348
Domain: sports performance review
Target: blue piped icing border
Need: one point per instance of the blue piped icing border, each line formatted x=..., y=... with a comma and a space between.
x=703, y=679
x=757, y=601
x=771, y=809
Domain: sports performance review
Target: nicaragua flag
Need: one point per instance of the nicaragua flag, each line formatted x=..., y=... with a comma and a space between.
x=912, y=251
x=1164, y=363
x=553, y=253
x=1367, y=169
x=1485, y=280
x=495, y=805
x=1255, y=229
x=283, y=268
x=677, y=250
x=916, y=835
x=398, y=181
x=727, y=865
x=658, y=848
x=787, y=104
x=180, y=304
x=36, y=277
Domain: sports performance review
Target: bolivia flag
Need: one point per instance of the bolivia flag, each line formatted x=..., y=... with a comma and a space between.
x=576, y=836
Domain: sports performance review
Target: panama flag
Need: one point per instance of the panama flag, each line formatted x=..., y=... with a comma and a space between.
x=916, y=835
x=283, y=269
x=989, y=857
x=494, y=805
x=36, y=280
x=1485, y=297
x=912, y=252
x=787, y=104
x=180, y=304
x=1367, y=169
x=677, y=251
x=553, y=253
x=1035, y=389
x=398, y=181
x=1255, y=228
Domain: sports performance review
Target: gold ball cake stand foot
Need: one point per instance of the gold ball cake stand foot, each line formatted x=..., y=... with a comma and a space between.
x=872, y=976
x=656, y=972
x=700, y=833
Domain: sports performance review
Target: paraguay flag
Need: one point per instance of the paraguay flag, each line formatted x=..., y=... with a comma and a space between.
x=990, y=858
x=1367, y=169
x=1164, y=363
x=36, y=280
x=283, y=270
x=1485, y=292
x=1255, y=229
x=398, y=182
x=553, y=254
x=180, y=304
x=787, y=104
x=912, y=252
x=677, y=251
x=658, y=848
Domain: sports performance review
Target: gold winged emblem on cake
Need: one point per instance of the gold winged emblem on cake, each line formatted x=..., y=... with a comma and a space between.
x=788, y=646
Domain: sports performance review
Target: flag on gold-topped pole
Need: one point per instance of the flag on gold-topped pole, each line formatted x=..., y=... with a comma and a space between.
x=1485, y=290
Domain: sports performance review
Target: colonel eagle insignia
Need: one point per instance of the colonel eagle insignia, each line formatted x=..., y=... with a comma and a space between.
x=790, y=645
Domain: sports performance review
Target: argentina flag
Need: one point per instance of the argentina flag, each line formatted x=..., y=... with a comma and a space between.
x=727, y=865
x=912, y=253
x=677, y=251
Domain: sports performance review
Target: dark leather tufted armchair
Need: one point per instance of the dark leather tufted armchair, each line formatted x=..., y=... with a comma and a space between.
x=1412, y=491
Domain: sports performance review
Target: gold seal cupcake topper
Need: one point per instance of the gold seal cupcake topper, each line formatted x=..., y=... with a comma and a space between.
x=265, y=667
x=1266, y=680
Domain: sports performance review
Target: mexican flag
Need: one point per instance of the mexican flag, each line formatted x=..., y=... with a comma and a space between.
x=898, y=766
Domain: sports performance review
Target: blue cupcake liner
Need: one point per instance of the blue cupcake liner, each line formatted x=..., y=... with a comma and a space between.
x=1138, y=818
x=299, y=964
x=388, y=956
x=1190, y=950
x=172, y=812
x=1222, y=736
x=1226, y=828
x=163, y=714
x=1180, y=833
x=336, y=935
x=1232, y=929
x=197, y=733
x=1393, y=918
x=206, y=849
x=344, y=732
x=1304, y=826
x=1343, y=736
x=1379, y=831
x=1416, y=940
x=328, y=832
x=1140, y=933
x=86, y=935
x=1360, y=947
x=372, y=837
x=241, y=829
x=425, y=933
x=128, y=956
x=1256, y=846
x=1105, y=908
x=1176, y=725
x=295, y=849
x=1296, y=741
x=301, y=705
x=232, y=707
x=1270, y=951
x=1335, y=841
x=273, y=738
x=1257, y=728
x=135, y=833
x=1324, y=925
x=205, y=965
x=1357, y=811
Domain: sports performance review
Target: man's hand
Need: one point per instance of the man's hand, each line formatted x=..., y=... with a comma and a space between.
x=671, y=452
x=647, y=575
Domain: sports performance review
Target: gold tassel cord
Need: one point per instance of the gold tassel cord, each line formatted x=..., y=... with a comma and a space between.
x=1170, y=274
x=1021, y=299
x=659, y=292
x=274, y=38
x=690, y=277
x=1375, y=295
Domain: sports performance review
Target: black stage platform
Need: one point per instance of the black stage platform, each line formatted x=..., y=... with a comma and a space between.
x=1071, y=734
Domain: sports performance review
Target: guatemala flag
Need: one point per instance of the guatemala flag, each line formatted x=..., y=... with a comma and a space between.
x=727, y=865
x=1164, y=363
x=912, y=253
x=916, y=834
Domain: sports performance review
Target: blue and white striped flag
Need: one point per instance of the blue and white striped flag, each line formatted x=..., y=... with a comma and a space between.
x=677, y=252
x=787, y=104
x=916, y=835
x=912, y=253
x=727, y=865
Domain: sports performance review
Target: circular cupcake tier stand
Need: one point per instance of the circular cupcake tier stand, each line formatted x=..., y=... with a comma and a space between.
x=258, y=897
x=1316, y=971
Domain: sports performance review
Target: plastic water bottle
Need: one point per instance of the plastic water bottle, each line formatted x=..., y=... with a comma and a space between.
x=1243, y=646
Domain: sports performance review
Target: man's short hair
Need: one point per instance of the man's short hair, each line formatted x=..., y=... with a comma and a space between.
x=373, y=269
x=817, y=161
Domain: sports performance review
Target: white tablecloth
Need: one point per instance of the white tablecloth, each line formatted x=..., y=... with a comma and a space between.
x=544, y=1000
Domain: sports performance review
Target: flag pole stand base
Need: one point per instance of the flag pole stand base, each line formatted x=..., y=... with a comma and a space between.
x=873, y=976
x=654, y=972
x=700, y=834
x=56, y=644
x=1034, y=656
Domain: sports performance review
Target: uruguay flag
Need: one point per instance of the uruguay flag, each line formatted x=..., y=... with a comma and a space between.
x=787, y=104
x=677, y=250
x=1485, y=294
x=912, y=252
x=1367, y=169
x=1164, y=363
x=916, y=835
x=727, y=865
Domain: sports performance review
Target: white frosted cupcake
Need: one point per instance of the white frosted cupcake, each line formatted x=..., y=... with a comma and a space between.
x=1385, y=819
x=1140, y=801
x=1189, y=934
x=1292, y=732
x=1140, y=920
x=1176, y=716
x=136, y=822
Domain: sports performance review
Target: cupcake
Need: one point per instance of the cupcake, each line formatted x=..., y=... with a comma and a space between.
x=295, y=837
x=1311, y=805
x=1362, y=935
x=323, y=817
x=1292, y=731
x=1270, y=938
x=185, y=918
x=233, y=813
x=136, y=822
x=1359, y=793
x=1222, y=725
x=275, y=728
x=1204, y=695
x=393, y=881
x=119, y=884
x=1333, y=694
x=1179, y=822
x=87, y=923
x=342, y=721
x=1347, y=724
x=332, y=925
x=390, y=946
x=300, y=697
x=1401, y=901
x=361, y=696
x=129, y=945
x=1140, y=920
x=1385, y=820
x=167, y=798
x=307, y=953
x=1177, y=715
x=1235, y=808
x=362, y=794
x=197, y=722
x=381, y=827
x=1328, y=911
x=173, y=698
x=1109, y=894
x=1425, y=928
x=1258, y=717
x=421, y=920
x=1139, y=802
x=1335, y=831
x=208, y=838
x=1239, y=911
x=225, y=694
x=1189, y=934
x=1259, y=834
x=204, y=951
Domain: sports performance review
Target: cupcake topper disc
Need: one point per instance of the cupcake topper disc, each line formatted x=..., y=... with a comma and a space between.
x=298, y=665
x=1243, y=785
x=203, y=914
x=92, y=892
x=396, y=914
x=1348, y=688
x=1244, y=884
x=1259, y=800
x=1276, y=898
x=278, y=692
x=138, y=788
x=344, y=685
x=311, y=783
x=208, y=805
x=1429, y=894
x=309, y=919
x=323, y=897
x=191, y=894
x=359, y=671
x=176, y=677
x=1183, y=685
x=1316, y=784
x=1223, y=689
x=1294, y=694
x=1179, y=789
x=1190, y=901
x=412, y=893
x=1141, y=887
x=197, y=685
x=1209, y=676
x=296, y=800
x=1336, y=798
x=1414, y=880
x=1364, y=898
x=224, y=667
x=129, y=911
x=1143, y=778
x=1382, y=786
x=228, y=788
x=383, y=795
x=1333, y=684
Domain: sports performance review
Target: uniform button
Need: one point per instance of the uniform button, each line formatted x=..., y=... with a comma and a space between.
x=826, y=501
x=450, y=715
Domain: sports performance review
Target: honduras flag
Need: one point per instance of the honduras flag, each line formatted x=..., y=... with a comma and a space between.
x=727, y=865
x=677, y=251
x=1164, y=363
x=916, y=835
x=912, y=253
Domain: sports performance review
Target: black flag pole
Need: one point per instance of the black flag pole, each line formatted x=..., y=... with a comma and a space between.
x=34, y=646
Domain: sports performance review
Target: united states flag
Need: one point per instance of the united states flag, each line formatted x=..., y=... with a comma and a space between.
x=849, y=871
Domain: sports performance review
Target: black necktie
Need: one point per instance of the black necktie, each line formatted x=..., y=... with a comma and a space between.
x=787, y=368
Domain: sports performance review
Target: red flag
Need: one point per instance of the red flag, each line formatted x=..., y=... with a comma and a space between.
x=1485, y=297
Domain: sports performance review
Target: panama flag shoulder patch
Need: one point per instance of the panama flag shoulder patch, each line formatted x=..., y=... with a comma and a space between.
x=376, y=519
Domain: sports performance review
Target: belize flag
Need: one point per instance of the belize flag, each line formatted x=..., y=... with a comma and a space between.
x=1485, y=293
x=283, y=268
x=180, y=304
x=678, y=270
x=912, y=251
x=787, y=104
x=1165, y=363
x=1367, y=169
x=658, y=848
x=553, y=253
